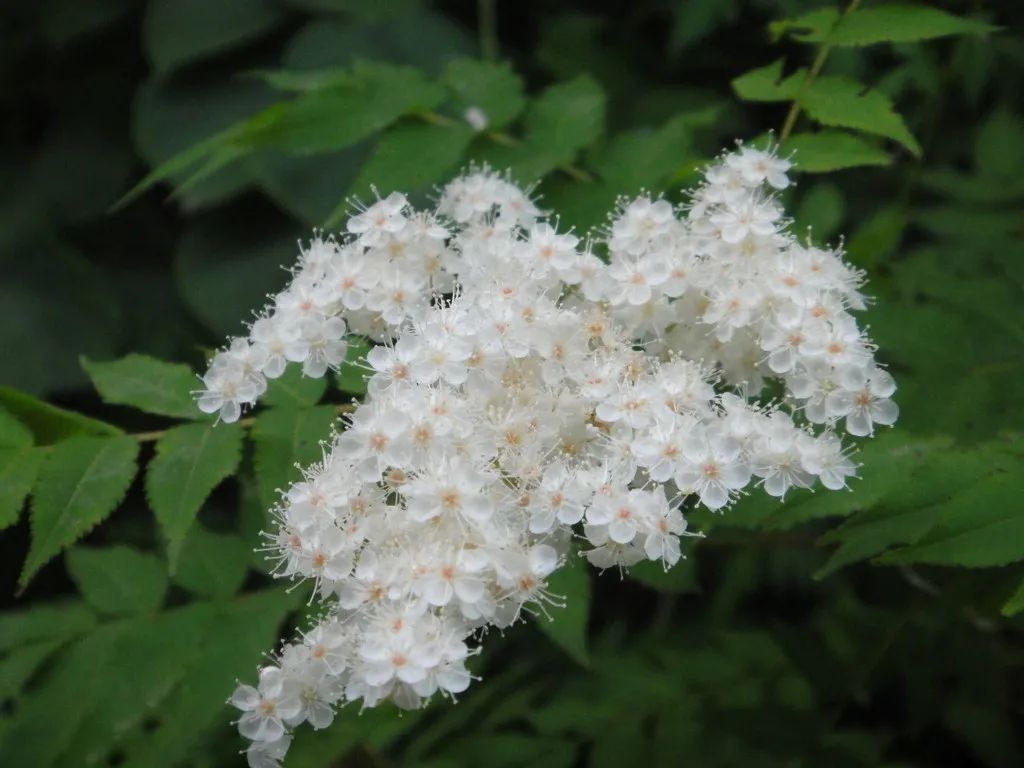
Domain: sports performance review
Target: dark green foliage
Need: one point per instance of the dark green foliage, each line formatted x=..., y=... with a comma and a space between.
x=876, y=627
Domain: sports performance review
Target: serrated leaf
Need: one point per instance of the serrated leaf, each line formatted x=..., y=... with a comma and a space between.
x=191, y=460
x=878, y=24
x=286, y=437
x=212, y=564
x=832, y=151
x=19, y=468
x=839, y=102
x=117, y=579
x=488, y=86
x=81, y=481
x=48, y=423
x=146, y=383
x=680, y=579
x=177, y=32
x=981, y=527
x=567, y=626
x=408, y=157
x=13, y=434
x=293, y=389
x=767, y=84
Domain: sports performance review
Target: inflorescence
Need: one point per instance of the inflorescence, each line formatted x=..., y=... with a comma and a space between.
x=526, y=392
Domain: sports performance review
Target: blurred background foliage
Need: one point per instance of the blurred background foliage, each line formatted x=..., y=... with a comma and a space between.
x=775, y=643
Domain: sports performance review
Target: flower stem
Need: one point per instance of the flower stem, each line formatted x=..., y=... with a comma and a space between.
x=812, y=73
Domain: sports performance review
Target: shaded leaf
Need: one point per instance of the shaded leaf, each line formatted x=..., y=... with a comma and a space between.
x=177, y=32
x=293, y=389
x=681, y=578
x=50, y=424
x=212, y=564
x=567, y=626
x=55, y=620
x=117, y=579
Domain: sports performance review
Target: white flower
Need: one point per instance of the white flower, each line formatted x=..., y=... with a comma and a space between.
x=524, y=392
x=380, y=221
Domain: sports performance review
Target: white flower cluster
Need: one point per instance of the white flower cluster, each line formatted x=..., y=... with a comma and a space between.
x=525, y=391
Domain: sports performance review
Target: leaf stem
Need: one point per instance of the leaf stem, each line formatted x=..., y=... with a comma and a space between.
x=812, y=73
x=156, y=434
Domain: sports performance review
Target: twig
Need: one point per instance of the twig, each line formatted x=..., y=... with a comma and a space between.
x=812, y=73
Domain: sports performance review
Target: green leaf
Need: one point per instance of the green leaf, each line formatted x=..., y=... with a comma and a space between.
x=177, y=32
x=680, y=579
x=47, y=721
x=17, y=667
x=408, y=157
x=283, y=438
x=239, y=633
x=81, y=481
x=908, y=492
x=767, y=84
x=878, y=237
x=373, y=97
x=191, y=460
x=55, y=620
x=489, y=86
x=878, y=24
x=832, y=151
x=981, y=527
x=227, y=252
x=117, y=579
x=567, y=626
x=839, y=102
x=146, y=383
x=821, y=211
x=13, y=434
x=354, y=371
x=997, y=149
x=50, y=424
x=293, y=389
x=630, y=162
x=564, y=119
x=179, y=126
x=19, y=468
x=212, y=564
x=1015, y=603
